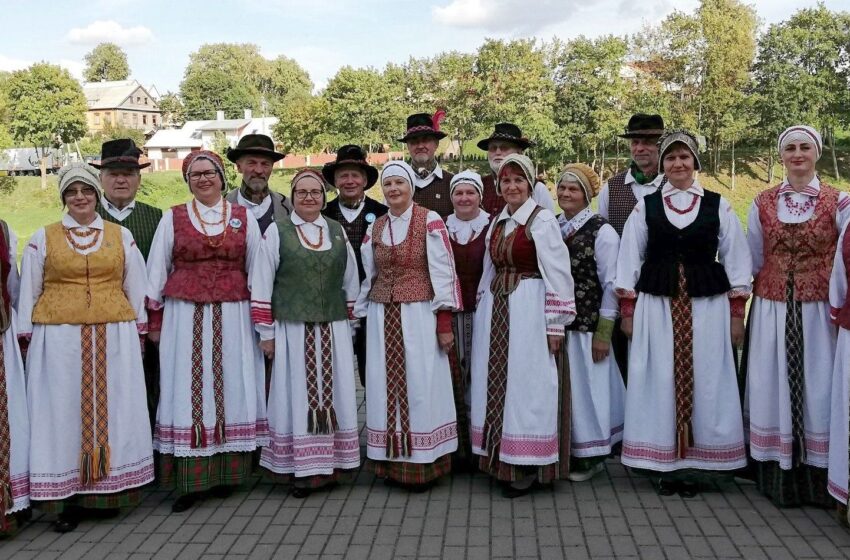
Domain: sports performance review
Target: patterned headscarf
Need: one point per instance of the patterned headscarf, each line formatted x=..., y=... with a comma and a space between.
x=310, y=173
x=526, y=166
x=212, y=157
x=684, y=137
x=78, y=171
x=467, y=177
x=398, y=168
x=800, y=133
x=585, y=176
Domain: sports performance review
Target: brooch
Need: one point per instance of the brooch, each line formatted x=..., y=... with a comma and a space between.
x=370, y=217
x=235, y=223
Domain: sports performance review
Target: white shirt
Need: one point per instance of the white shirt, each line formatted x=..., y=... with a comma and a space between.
x=464, y=231
x=421, y=183
x=838, y=280
x=119, y=214
x=638, y=190
x=755, y=234
x=258, y=210
x=733, y=252
x=350, y=214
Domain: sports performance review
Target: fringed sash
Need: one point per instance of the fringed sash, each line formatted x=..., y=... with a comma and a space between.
x=321, y=416
x=6, y=498
x=497, y=379
x=683, y=365
x=94, y=405
x=199, y=438
x=398, y=406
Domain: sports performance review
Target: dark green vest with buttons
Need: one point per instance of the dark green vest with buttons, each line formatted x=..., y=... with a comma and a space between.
x=308, y=286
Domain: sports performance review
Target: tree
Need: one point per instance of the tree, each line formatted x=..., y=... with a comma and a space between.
x=48, y=108
x=173, y=112
x=303, y=126
x=91, y=143
x=106, y=62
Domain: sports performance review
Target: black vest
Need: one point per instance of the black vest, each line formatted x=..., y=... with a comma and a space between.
x=694, y=246
x=356, y=230
x=588, y=289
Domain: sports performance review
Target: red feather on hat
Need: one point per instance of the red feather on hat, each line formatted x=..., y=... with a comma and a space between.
x=438, y=117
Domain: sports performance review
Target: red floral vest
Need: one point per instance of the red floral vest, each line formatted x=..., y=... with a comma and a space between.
x=203, y=273
x=805, y=250
x=403, y=274
x=514, y=256
x=469, y=264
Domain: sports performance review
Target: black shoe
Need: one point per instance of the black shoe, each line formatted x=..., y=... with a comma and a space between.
x=222, y=492
x=68, y=520
x=24, y=516
x=419, y=488
x=511, y=492
x=300, y=492
x=667, y=487
x=183, y=503
x=107, y=513
x=688, y=489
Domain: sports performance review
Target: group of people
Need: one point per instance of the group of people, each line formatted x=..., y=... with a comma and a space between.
x=489, y=333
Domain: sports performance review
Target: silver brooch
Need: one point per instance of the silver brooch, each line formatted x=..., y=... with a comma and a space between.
x=235, y=223
x=370, y=217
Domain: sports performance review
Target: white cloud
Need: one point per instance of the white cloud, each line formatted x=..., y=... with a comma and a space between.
x=527, y=16
x=111, y=31
x=9, y=64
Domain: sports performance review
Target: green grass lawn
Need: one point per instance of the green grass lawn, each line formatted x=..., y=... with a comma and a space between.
x=26, y=207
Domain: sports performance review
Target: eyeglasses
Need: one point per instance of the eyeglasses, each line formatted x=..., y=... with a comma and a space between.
x=85, y=191
x=301, y=195
x=208, y=174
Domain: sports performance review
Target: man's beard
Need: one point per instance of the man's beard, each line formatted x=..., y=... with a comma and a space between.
x=494, y=167
x=257, y=185
x=423, y=167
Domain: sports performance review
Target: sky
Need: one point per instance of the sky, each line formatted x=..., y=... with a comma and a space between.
x=322, y=35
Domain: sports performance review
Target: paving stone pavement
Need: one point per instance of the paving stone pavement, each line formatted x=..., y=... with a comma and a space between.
x=615, y=515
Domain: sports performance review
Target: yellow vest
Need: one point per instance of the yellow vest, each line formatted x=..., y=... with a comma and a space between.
x=83, y=289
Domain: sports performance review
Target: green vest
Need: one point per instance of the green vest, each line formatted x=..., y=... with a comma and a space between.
x=308, y=285
x=141, y=222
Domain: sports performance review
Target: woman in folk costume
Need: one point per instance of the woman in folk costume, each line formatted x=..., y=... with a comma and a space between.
x=303, y=288
x=683, y=277
x=467, y=227
x=212, y=405
x=82, y=309
x=408, y=295
x=592, y=390
x=839, y=426
x=14, y=423
x=792, y=231
x=525, y=300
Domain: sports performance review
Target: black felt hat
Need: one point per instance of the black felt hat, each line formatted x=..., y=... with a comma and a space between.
x=254, y=144
x=644, y=126
x=350, y=155
x=121, y=153
x=507, y=132
x=423, y=124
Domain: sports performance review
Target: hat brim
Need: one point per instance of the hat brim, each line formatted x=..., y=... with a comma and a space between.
x=236, y=153
x=438, y=134
x=120, y=165
x=646, y=133
x=523, y=143
x=329, y=169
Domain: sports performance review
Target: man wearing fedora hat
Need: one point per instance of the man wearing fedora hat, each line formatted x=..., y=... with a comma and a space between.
x=120, y=177
x=432, y=189
x=505, y=140
x=254, y=157
x=351, y=174
x=622, y=191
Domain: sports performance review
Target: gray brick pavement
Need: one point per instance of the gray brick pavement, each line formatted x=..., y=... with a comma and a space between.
x=615, y=515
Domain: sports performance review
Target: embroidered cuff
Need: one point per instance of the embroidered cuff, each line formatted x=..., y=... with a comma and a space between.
x=351, y=316
x=604, y=330
x=142, y=328
x=555, y=330
x=627, y=307
x=444, y=321
x=737, y=307
x=152, y=304
x=623, y=293
x=155, y=320
x=261, y=313
x=740, y=293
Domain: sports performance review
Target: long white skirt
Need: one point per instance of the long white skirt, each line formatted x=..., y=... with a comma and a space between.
x=54, y=376
x=768, y=397
x=293, y=449
x=429, y=386
x=19, y=425
x=530, y=428
x=598, y=398
x=840, y=422
x=649, y=439
x=246, y=426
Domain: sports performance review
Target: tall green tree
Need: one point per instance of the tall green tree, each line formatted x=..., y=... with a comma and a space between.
x=303, y=126
x=173, y=112
x=48, y=108
x=106, y=62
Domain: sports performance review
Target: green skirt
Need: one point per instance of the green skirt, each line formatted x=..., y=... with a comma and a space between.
x=505, y=472
x=312, y=482
x=411, y=473
x=199, y=474
x=126, y=499
x=803, y=485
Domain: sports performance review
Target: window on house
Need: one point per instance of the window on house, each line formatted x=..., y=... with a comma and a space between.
x=153, y=120
x=135, y=119
x=146, y=100
x=97, y=118
x=107, y=118
x=144, y=119
x=125, y=117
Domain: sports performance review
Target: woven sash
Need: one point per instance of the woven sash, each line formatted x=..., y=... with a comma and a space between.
x=199, y=438
x=6, y=499
x=321, y=417
x=398, y=406
x=94, y=405
x=683, y=364
x=794, y=368
x=497, y=380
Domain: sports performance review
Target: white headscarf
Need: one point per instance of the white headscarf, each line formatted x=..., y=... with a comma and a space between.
x=467, y=177
x=800, y=133
x=398, y=168
x=78, y=171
